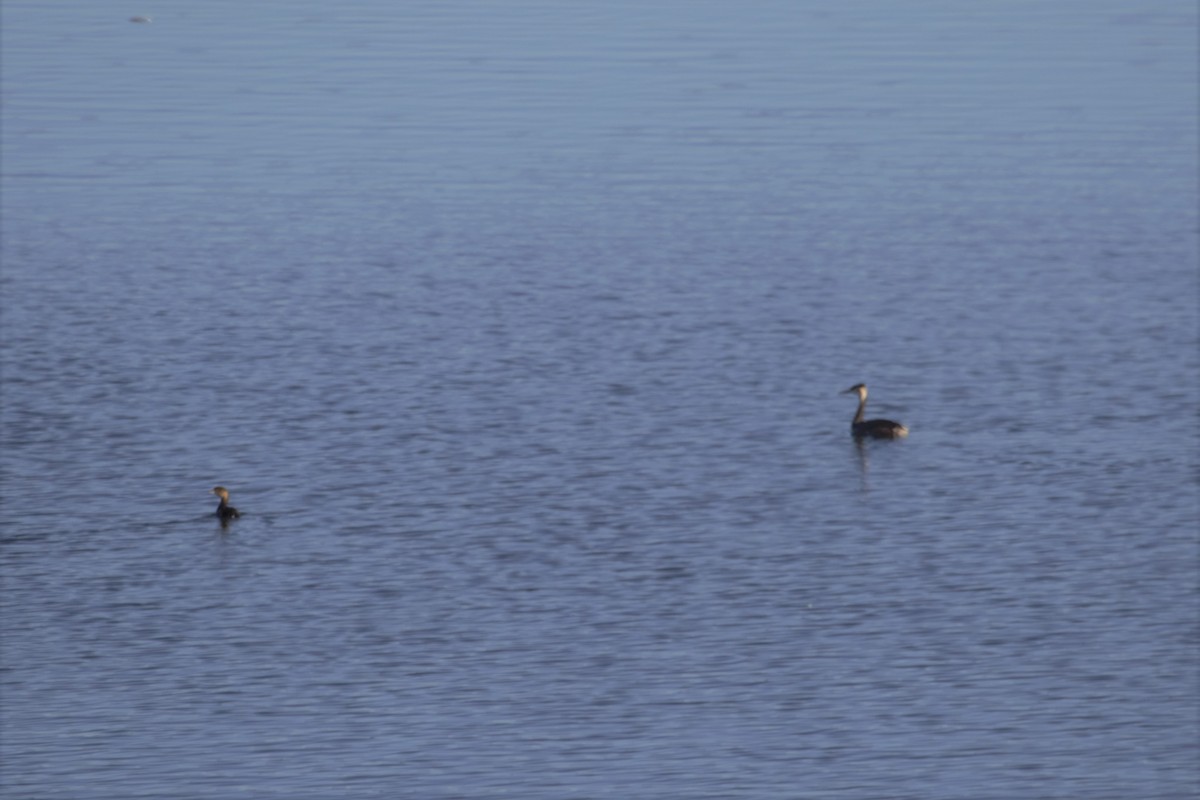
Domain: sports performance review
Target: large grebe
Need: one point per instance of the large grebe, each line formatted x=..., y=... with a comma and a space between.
x=874, y=428
x=225, y=512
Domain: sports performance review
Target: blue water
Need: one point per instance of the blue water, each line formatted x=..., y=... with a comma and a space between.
x=517, y=330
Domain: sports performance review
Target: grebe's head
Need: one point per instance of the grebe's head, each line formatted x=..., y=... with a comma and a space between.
x=221, y=492
x=859, y=389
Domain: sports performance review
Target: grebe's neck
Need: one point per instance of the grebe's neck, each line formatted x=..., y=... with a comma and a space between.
x=862, y=407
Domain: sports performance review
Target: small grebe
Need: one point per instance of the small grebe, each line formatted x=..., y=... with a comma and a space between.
x=874, y=428
x=225, y=512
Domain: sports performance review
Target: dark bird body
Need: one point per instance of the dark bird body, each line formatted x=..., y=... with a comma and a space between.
x=872, y=428
x=225, y=512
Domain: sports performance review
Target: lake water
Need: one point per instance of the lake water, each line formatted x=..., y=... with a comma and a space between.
x=516, y=331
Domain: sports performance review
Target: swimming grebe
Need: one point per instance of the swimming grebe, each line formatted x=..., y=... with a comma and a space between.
x=874, y=428
x=225, y=512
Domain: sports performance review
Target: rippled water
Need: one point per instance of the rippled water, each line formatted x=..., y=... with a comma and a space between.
x=516, y=333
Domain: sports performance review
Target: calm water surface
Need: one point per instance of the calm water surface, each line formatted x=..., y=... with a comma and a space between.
x=517, y=334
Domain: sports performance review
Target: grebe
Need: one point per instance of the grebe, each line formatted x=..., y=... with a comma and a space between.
x=225, y=512
x=874, y=428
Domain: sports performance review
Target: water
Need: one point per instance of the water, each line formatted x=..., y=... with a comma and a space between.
x=516, y=332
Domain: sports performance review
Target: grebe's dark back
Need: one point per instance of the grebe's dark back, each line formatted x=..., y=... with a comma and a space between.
x=873, y=428
x=225, y=512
